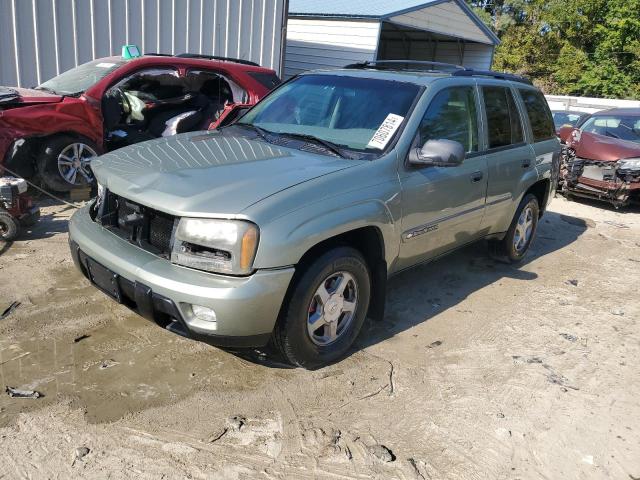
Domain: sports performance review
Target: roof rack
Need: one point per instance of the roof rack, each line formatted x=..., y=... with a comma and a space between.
x=393, y=65
x=467, y=72
x=454, y=70
x=215, y=57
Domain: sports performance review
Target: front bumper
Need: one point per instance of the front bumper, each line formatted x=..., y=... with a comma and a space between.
x=246, y=308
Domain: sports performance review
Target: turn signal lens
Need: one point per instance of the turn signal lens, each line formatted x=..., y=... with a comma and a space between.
x=249, y=247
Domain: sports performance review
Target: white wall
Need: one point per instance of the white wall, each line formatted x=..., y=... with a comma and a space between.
x=41, y=38
x=587, y=104
x=316, y=43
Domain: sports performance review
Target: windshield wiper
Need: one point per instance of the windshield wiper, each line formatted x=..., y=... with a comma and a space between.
x=325, y=143
x=262, y=133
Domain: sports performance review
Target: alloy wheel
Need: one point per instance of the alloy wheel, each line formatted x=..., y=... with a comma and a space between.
x=74, y=163
x=332, y=308
x=524, y=229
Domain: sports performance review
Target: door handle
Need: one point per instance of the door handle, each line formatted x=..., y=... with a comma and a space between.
x=526, y=163
x=476, y=176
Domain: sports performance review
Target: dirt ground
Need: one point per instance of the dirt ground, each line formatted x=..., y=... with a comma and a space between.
x=479, y=370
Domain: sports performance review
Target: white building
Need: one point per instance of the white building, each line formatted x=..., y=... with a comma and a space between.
x=334, y=33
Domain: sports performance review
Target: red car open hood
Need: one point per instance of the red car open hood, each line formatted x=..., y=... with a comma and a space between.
x=592, y=146
x=27, y=96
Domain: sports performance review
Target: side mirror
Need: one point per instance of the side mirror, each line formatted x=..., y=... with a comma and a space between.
x=438, y=153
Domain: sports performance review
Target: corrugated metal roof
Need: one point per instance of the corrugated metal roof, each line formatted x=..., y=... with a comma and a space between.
x=378, y=9
x=355, y=8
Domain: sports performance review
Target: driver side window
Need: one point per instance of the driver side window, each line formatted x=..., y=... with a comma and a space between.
x=452, y=115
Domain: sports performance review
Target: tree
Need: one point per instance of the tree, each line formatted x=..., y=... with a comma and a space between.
x=577, y=47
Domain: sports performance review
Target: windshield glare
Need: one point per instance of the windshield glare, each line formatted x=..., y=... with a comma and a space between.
x=346, y=111
x=622, y=127
x=79, y=79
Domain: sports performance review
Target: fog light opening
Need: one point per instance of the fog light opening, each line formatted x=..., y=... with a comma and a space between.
x=204, y=314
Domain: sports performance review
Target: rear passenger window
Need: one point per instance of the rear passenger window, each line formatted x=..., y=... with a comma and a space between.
x=504, y=126
x=540, y=116
x=452, y=115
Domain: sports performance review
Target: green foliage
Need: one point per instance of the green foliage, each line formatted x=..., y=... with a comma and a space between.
x=572, y=47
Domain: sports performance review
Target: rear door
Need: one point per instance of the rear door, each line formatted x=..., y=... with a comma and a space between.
x=544, y=142
x=443, y=206
x=508, y=154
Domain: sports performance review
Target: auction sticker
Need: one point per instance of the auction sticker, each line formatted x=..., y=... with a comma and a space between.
x=105, y=65
x=385, y=131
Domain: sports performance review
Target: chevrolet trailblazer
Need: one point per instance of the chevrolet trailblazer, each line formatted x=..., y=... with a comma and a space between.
x=285, y=226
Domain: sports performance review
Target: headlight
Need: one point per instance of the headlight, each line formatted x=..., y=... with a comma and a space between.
x=629, y=164
x=221, y=246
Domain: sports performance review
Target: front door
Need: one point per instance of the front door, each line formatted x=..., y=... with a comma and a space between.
x=443, y=206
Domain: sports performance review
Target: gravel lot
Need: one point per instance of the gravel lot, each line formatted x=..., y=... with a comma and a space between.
x=480, y=370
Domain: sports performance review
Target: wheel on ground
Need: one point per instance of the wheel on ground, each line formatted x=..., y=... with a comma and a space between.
x=65, y=163
x=9, y=228
x=523, y=228
x=325, y=310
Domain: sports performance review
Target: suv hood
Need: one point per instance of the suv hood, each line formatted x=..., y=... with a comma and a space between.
x=204, y=174
x=592, y=146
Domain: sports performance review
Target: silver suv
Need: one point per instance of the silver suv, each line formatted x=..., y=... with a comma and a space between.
x=286, y=225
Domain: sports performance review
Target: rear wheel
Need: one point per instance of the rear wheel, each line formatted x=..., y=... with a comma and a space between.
x=9, y=228
x=517, y=241
x=65, y=163
x=326, y=309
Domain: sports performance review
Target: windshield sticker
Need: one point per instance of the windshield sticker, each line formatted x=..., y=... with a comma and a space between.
x=105, y=65
x=385, y=131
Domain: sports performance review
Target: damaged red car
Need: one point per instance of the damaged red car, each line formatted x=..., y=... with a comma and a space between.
x=55, y=129
x=602, y=157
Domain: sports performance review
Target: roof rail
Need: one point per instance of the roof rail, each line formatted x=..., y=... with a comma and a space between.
x=454, y=70
x=393, y=65
x=490, y=73
x=215, y=57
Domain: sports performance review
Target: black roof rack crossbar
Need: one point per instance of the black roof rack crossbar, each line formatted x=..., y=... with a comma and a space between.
x=490, y=73
x=393, y=64
x=215, y=57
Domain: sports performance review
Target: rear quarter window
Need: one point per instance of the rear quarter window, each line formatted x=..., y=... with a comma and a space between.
x=540, y=116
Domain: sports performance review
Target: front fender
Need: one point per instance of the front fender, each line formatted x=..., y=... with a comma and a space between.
x=284, y=241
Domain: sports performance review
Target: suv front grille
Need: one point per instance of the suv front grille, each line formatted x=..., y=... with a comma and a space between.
x=144, y=226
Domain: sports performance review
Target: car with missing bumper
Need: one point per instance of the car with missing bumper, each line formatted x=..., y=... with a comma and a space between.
x=601, y=157
x=56, y=129
x=286, y=225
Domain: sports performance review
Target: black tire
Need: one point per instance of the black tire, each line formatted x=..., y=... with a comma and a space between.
x=47, y=162
x=291, y=335
x=9, y=228
x=505, y=249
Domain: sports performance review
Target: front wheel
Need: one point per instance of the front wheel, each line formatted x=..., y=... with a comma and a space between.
x=523, y=228
x=325, y=310
x=65, y=163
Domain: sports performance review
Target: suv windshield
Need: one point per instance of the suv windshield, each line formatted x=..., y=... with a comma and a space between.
x=622, y=127
x=79, y=79
x=346, y=111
